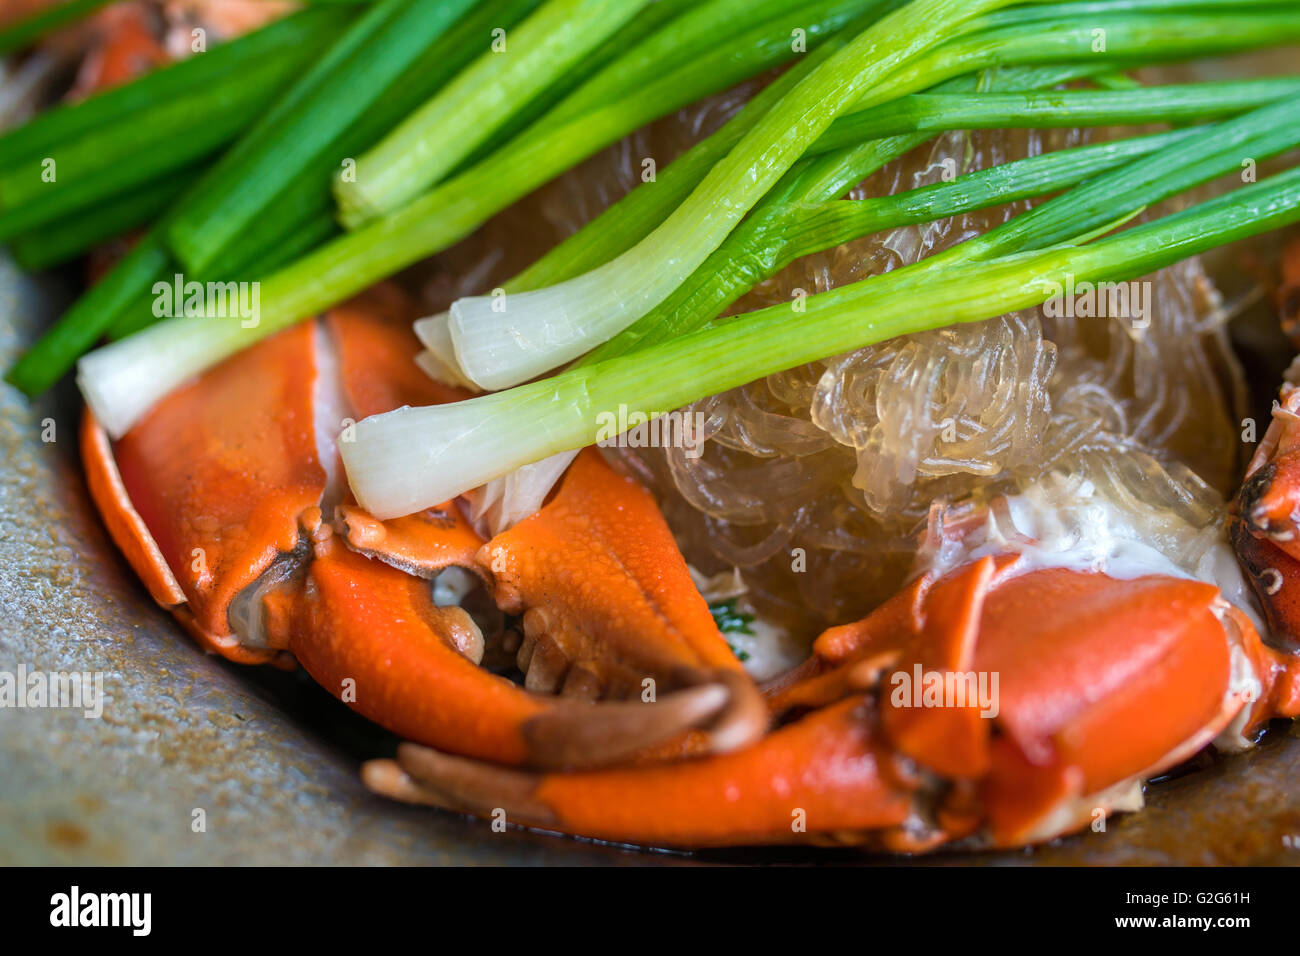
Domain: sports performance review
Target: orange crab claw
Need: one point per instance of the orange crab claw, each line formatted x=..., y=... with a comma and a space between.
x=221, y=475
x=810, y=780
x=226, y=498
x=608, y=603
x=1079, y=709
x=1265, y=530
x=1269, y=501
x=420, y=679
x=1002, y=703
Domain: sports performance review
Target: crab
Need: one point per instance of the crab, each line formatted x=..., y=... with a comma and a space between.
x=1266, y=526
x=126, y=40
x=568, y=672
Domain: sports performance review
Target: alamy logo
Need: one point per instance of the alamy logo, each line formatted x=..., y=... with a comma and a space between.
x=946, y=689
x=61, y=690
x=208, y=300
x=632, y=429
x=1099, y=300
x=75, y=908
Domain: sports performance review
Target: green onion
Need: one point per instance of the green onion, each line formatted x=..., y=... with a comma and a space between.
x=1215, y=151
x=438, y=219
x=763, y=246
x=818, y=180
x=392, y=58
x=936, y=112
x=623, y=224
x=729, y=620
x=788, y=229
x=107, y=162
x=1149, y=37
x=455, y=208
x=408, y=459
x=429, y=143
x=196, y=75
x=65, y=239
x=79, y=327
x=647, y=22
x=269, y=253
x=540, y=329
x=634, y=216
x=698, y=32
x=1187, y=161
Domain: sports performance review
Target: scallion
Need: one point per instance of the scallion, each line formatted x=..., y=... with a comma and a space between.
x=430, y=142
x=411, y=458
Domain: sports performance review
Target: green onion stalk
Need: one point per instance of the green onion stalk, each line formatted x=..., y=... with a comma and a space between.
x=541, y=329
x=396, y=54
x=107, y=162
x=149, y=364
x=440, y=218
x=549, y=326
x=634, y=216
x=190, y=79
x=802, y=224
x=409, y=459
x=429, y=143
x=1186, y=159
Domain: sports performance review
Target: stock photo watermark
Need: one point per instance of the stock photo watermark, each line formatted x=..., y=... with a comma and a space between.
x=944, y=689
x=632, y=429
x=1099, y=300
x=133, y=911
x=191, y=299
x=31, y=689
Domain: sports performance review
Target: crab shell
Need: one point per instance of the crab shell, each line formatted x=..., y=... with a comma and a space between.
x=634, y=721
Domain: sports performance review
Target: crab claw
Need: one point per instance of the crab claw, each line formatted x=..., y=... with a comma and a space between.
x=1266, y=528
x=373, y=636
x=208, y=491
x=608, y=604
x=1269, y=501
x=1098, y=683
x=999, y=703
x=226, y=499
x=809, y=781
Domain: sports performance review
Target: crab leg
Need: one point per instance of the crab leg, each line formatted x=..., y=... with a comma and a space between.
x=814, y=778
x=1097, y=684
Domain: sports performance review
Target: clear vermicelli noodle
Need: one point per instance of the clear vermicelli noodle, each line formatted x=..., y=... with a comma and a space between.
x=816, y=482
